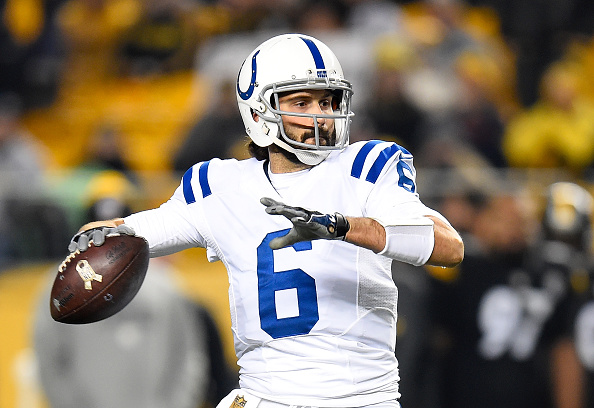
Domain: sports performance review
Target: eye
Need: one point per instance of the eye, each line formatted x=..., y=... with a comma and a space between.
x=327, y=104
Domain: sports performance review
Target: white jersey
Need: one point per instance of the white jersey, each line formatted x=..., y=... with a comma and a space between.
x=315, y=323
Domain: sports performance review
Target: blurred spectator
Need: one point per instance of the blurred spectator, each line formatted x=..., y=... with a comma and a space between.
x=251, y=16
x=147, y=111
x=151, y=354
x=378, y=17
x=311, y=16
x=579, y=56
x=448, y=37
x=558, y=131
x=106, y=151
x=494, y=314
x=479, y=122
x=462, y=197
x=218, y=133
x=390, y=112
x=22, y=157
x=538, y=31
x=458, y=82
x=31, y=51
x=161, y=350
x=92, y=29
x=103, y=169
x=25, y=210
x=107, y=194
x=164, y=39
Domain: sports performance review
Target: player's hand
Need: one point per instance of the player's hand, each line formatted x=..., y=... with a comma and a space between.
x=307, y=224
x=97, y=234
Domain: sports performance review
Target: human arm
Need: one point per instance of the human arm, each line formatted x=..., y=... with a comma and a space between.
x=168, y=229
x=568, y=381
x=448, y=248
x=426, y=240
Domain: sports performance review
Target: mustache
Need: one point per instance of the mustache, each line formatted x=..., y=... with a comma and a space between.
x=325, y=134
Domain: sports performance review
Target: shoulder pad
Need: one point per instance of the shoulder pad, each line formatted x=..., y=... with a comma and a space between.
x=372, y=157
x=204, y=178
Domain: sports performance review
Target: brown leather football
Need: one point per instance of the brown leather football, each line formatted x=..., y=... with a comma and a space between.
x=99, y=282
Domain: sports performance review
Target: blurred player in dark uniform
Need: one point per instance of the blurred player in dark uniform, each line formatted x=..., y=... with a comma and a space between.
x=567, y=248
x=500, y=314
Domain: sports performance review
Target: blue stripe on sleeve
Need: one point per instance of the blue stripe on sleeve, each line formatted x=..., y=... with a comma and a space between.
x=187, y=187
x=380, y=162
x=404, y=150
x=404, y=181
x=203, y=179
x=361, y=157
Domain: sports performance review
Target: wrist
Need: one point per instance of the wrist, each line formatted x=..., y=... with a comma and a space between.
x=342, y=226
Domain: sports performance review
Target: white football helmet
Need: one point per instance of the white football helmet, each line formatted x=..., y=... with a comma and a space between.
x=292, y=62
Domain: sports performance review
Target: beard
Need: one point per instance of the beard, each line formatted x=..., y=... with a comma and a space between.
x=327, y=138
x=288, y=155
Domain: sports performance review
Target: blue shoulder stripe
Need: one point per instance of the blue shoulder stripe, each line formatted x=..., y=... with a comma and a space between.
x=380, y=162
x=202, y=179
x=361, y=157
x=187, y=187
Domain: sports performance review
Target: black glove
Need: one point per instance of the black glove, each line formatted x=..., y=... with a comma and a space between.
x=81, y=240
x=307, y=225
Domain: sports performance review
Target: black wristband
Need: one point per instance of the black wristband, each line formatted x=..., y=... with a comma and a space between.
x=342, y=226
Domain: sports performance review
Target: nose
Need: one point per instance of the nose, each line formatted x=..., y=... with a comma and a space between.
x=319, y=110
x=321, y=121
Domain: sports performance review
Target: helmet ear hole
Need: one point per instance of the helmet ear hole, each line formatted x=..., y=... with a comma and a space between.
x=337, y=96
x=335, y=103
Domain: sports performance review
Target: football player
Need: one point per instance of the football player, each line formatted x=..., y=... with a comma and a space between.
x=567, y=247
x=307, y=230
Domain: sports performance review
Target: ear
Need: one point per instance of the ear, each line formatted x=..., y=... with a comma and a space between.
x=255, y=116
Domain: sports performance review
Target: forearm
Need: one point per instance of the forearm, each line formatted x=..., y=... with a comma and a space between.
x=165, y=230
x=366, y=233
x=448, y=249
x=568, y=383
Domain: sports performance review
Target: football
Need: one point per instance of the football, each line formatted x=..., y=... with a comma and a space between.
x=99, y=282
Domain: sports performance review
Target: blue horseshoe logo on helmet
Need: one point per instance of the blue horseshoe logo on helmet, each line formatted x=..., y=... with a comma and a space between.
x=247, y=94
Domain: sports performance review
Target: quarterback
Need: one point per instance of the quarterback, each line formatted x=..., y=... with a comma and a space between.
x=307, y=229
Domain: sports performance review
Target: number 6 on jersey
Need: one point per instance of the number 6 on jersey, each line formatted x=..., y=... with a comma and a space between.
x=276, y=287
